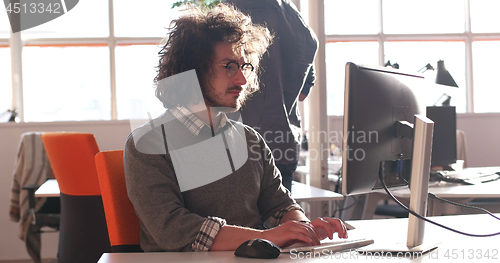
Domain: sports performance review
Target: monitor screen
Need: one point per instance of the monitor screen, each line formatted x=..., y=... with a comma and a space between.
x=377, y=99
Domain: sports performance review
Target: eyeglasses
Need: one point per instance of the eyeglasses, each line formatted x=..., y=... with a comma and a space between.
x=233, y=67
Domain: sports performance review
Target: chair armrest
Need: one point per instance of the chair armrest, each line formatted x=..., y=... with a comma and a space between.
x=31, y=200
x=31, y=188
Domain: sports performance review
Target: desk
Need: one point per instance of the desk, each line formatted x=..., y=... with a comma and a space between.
x=302, y=172
x=306, y=193
x=48, y=189
x=454, y=192
x=453, y=247
x=300, y=192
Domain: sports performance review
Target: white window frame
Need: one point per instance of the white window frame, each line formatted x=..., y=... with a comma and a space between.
x=16, y=44
x=467, y=37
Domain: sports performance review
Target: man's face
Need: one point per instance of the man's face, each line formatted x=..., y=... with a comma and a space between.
x=222, y=90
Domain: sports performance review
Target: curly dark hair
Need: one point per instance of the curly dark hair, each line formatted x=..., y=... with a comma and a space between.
x=190, y=45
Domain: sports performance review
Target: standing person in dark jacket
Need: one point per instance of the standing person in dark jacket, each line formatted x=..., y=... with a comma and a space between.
x=287, y=77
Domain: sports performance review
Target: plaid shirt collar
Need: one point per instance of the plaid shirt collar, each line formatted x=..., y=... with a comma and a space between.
x=192, y=122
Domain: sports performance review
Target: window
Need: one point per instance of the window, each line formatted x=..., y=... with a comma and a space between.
x=5, y=80
x=88, y=18
x=135, y=93
x=143, y=18
x=337, y=54
x=465, y=34
x=423, y=17
x=346, y=17
x=5, y=65
x=97, y=62
x=484, y=13
x=486, y=69
x=4, y=26
x=66, y=83
x=85, y=66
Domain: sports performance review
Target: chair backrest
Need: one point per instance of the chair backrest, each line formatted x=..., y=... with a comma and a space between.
x=123, y=224
x=72, y=153
x=83, y=235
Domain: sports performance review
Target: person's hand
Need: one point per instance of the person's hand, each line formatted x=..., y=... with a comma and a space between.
x=326, y=227
x=291, y=232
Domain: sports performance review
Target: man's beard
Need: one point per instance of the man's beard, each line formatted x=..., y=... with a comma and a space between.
x=215, y=101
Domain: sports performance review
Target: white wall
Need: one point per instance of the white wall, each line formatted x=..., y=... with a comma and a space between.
x=482, y=131
x=110, y=135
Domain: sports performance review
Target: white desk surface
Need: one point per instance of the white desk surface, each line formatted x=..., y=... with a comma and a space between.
x=303, y=192
x=449, y=190
x=453, y=247
x=300, y=192
x=48, y=189
x=456, y=192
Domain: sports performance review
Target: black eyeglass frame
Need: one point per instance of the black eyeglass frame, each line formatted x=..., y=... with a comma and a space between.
x=241, y=67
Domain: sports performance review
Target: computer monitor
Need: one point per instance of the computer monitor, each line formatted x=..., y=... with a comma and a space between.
x=380, y=140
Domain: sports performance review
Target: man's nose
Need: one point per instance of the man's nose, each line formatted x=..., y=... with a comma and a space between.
x=239, y=78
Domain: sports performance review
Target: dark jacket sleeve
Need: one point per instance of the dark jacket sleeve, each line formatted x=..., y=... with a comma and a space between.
x=310, y=80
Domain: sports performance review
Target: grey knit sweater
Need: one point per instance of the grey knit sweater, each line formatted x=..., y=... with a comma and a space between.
x=171, y=214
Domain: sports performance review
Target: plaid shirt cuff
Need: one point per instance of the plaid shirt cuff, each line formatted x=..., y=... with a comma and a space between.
x=209, y=229
x=274, y=220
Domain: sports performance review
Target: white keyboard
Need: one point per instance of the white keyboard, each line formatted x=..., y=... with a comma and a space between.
x=333, y=246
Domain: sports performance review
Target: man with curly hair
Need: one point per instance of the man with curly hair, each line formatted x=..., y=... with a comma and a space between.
x=198, y=180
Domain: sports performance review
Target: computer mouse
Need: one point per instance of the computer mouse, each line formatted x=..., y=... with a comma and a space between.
x=258, y=248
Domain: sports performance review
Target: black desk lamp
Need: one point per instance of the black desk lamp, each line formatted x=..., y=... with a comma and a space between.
x=388, y=64
x=443, y=77
x=13, y=115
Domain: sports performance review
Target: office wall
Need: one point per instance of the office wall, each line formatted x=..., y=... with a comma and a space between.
x=110, y=135
x=482, y=131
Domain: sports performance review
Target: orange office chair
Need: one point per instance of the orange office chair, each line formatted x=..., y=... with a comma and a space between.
x=83, y=235
x=123, y=224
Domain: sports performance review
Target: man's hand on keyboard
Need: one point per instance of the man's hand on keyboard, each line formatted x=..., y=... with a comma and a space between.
x=291, y=232
x=326, y=227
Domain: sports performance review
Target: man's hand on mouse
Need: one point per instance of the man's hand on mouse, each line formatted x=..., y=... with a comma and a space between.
x=294, y=231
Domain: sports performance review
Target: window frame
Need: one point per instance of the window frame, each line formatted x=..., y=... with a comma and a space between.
x=16, y=44
x=468, y=37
